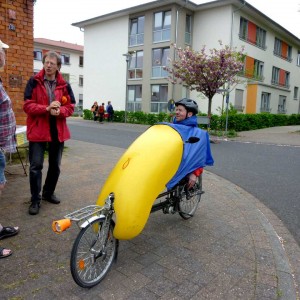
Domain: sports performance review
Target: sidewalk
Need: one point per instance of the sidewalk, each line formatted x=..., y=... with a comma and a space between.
x=233, y=248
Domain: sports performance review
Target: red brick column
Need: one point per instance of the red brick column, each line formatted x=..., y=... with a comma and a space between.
x=16, y=30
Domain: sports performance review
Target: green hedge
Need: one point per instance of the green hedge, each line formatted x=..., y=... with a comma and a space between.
x=236, y=122
x=138, y=117
x=245, y=122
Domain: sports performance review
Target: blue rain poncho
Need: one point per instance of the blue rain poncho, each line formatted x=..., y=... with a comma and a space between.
x=196, y=155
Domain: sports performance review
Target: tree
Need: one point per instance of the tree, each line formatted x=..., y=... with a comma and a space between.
x=206, y=73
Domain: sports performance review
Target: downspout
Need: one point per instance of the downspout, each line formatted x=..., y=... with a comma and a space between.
x=228, y=87
x=176, y=36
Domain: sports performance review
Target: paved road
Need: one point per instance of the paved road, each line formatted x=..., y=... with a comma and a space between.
x=253, y=161
x=269, y=172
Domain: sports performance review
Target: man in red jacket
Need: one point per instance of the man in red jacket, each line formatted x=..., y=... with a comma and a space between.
x=49, y=100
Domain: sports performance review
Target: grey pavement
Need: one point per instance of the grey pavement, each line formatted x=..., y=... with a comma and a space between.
x=233, y=248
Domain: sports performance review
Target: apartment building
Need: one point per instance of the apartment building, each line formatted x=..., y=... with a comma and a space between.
x=125, y=52
x=72, y=63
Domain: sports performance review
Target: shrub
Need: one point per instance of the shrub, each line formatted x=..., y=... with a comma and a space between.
x=88, y=115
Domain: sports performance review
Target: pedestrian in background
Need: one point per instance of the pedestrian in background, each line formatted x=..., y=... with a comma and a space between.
x=110, y=111
x=94, y=110
x=49, y=100
x=7, y=144
x=101, y=111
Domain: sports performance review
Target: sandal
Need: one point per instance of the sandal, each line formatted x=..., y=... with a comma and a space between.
x=4, y=255
x=8, y=231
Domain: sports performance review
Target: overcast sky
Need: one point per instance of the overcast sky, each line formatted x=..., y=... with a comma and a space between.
x=53, y=18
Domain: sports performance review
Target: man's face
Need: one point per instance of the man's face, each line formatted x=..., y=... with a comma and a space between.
x=181, y=113
x=50, y=67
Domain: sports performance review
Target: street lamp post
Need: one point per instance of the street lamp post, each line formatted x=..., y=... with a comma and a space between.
x=225, y=92
x=128, y=57
x=227, y=102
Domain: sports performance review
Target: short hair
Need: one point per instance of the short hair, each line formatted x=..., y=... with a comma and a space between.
x=53, y=54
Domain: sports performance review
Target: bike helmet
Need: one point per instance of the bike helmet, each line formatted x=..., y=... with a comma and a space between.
x=189, y=104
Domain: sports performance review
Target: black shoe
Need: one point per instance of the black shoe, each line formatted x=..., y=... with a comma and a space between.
x=52, y=199
x=34, y=208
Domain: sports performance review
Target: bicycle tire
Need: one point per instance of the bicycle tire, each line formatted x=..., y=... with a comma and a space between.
x=89, y=268
x=188, y=205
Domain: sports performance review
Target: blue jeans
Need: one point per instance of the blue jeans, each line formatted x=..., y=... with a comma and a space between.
x=36, y=159
x=2, y=168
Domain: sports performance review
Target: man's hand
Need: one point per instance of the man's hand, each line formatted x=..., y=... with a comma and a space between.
x=54, y=108
x=54, y=111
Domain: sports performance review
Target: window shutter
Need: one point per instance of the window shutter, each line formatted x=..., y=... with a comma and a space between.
x=284, y=50
x=249, y=66
x=281, y=77
x=251, y=32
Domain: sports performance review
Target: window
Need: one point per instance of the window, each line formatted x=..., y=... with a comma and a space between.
x=136, y=35
x=65, y=59
x=66, y=76
x=37, y=54
x=80, y=101
x=159, y=60
x=35, y=72
x=135, y=70
x=282, y=50
x=159, y=98
x=253, y=68
x=251, y=33
x=80, y=80
x=80, y=61
x=188, y=29
x=265, y=102
x=298, y=58
x=134, y=98
x=162, y=26
x=296, y=90
x=280, y=77
x=282, y=105
x=238, y=101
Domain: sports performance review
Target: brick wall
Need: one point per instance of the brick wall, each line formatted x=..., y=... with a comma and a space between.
x=16, y=30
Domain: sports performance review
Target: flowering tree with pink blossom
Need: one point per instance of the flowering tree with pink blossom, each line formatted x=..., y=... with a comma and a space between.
x=206, y=73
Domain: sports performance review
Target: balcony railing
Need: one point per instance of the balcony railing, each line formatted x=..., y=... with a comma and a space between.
x=159, y=72
x=265, y=109
x=135, y=74
x=239, y=107
x=281, y=111
x=251, y=76
x=136, y=39
x=288, y=58
x=158, y=107
x=250, y=41
x=275, y=82
x=162, y=35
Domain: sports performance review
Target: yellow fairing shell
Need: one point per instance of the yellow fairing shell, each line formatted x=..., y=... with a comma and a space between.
x=140, y=175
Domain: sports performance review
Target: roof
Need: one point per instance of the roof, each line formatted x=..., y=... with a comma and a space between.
x=242, y=5
x=59, y=44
